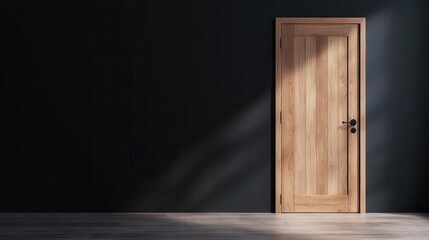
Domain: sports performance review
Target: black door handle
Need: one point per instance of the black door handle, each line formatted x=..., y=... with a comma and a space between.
x=352, y=122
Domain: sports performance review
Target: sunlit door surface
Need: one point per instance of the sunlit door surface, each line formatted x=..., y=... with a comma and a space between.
x=319, y=93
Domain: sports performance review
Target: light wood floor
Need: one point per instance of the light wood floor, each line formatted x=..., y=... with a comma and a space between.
x=212, y=226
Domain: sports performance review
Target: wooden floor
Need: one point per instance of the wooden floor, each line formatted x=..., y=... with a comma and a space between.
x=212, y=226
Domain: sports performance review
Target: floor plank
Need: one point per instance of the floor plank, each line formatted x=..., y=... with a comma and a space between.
x=126, y=226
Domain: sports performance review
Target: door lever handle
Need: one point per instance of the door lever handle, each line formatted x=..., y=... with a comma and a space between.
x=352, y=122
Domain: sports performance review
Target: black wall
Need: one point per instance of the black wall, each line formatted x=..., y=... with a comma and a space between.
x=168, y=105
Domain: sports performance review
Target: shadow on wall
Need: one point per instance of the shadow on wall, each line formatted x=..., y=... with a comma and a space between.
x=220, y=170
x=397, y=108
x=169, y=105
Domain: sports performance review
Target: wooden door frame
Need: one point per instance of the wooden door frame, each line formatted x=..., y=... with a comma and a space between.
x=362, y=100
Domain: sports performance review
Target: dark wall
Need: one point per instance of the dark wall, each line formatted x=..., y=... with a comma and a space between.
x=168, y=105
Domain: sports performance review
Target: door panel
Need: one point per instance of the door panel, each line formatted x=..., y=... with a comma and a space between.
x=321, y=203
x=322, y=117
x=287, y=106
x=321, y=29
x=353, y=113
x=319, y=91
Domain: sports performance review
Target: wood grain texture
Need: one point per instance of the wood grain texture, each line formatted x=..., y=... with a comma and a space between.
x=322, y=117
x=333, y=123
x=342, y=114
x=319, y=67
x=340, y=20
x=321, y=203
x=214, y=226
x=362, y=106
x=300, y=83
x=321, y=29
x=288, y=109
x=310, y=115
x=277, y=121
x=353, y=113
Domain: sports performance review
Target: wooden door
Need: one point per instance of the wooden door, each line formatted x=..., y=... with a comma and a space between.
x=319, y=90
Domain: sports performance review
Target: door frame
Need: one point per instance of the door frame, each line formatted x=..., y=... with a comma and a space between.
x=362, y=100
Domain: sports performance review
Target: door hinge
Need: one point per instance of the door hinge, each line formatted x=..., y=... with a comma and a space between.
x=280, y=42
x=280, y=199
x=280, y=117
